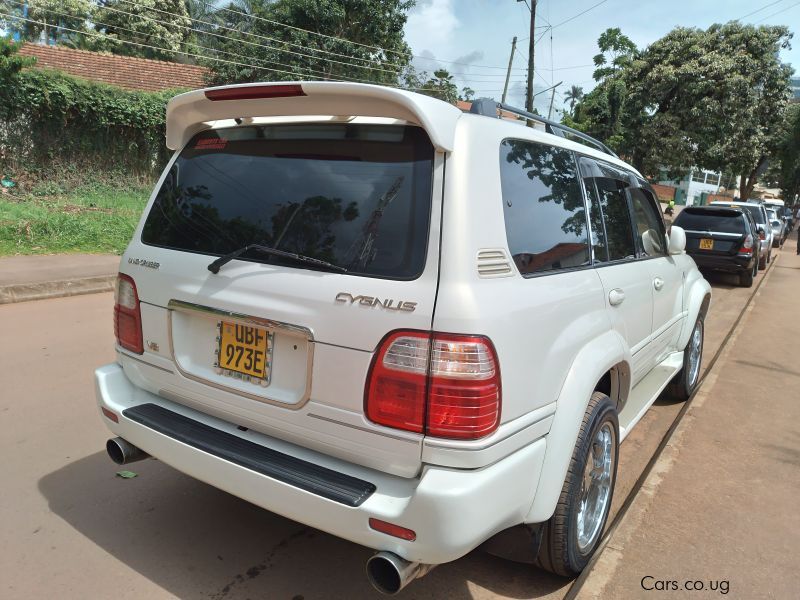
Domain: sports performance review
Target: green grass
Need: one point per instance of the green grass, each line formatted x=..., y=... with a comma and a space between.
x=95, y=219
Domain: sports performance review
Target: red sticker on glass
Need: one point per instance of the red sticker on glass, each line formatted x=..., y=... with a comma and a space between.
x=210, y=144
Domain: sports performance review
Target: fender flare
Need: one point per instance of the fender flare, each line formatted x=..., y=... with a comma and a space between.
x=591, y=363
x=698, y=301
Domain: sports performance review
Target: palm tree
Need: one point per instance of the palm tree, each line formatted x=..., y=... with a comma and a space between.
x=574, y=95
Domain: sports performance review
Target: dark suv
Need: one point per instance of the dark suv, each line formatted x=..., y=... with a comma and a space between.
x=722, y=239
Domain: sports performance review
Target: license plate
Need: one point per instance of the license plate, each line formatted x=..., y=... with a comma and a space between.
x=244, y=352
x=706, y=244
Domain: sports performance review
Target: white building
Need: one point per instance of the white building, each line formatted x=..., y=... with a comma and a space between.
x=693, y=185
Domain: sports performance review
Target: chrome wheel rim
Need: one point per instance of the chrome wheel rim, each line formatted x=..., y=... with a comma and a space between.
x=695, y=353
x=598, y=475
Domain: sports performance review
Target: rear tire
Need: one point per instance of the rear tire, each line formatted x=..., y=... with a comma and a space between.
x=685, y=381
x=571, y=535
x=746, y=279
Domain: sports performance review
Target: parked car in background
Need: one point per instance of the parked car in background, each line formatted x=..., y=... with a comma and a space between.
x=316, y=316
x=722, y=239
x=778, y=227
x=764, y=230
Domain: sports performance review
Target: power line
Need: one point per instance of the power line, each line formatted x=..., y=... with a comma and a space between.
x=777, y=13
x=296, y=69
x=759, y=10
x=338, y=39
x=579, y=14
x=220, y=60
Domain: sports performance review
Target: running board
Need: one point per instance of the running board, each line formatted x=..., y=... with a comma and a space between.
x=647, y=391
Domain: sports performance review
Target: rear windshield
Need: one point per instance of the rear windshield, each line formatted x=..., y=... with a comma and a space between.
x=755, y=210
x=357, y=196
x=708, y=221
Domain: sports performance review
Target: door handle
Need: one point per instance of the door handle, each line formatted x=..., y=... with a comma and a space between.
x=658, y=283
x=616, y=297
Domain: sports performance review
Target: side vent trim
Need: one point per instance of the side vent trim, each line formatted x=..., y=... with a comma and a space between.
x=493, y=262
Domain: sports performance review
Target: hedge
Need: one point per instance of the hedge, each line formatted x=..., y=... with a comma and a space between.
x=53, y=125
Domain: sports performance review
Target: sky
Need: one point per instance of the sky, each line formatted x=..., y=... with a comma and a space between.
x=472, y=38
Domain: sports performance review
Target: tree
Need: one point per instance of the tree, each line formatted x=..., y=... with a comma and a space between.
x=441, y=86
x=48, y=19
x=785, y=169
x=616, y=52
x=573, y=95
x=156, y=28
x=712, y=98
x=355, y=40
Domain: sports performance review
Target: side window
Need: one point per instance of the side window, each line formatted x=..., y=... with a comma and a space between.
x=543, y=206
x=649, y=225
x=606, y=189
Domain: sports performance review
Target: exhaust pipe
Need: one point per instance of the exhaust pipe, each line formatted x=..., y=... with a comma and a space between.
x=388, y=573
x=123, y=452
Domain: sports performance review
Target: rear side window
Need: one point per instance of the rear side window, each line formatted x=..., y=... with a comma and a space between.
x=710, y=221
x=544, y=211
x=358, y=196
x=612, y=228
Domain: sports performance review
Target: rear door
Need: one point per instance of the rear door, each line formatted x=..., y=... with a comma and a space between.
x=666, y=272
x=626, y=280
x=270, y=342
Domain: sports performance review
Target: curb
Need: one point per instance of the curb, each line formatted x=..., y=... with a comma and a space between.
x=24, y=292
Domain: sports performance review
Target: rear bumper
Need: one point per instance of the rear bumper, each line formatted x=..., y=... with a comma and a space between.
x=728, y=264
x=451, y=510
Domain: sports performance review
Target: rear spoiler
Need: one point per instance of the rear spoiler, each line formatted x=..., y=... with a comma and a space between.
x=189, y=113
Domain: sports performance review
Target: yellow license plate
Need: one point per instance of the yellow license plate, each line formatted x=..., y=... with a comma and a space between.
x=244, y=350
x=706, y=244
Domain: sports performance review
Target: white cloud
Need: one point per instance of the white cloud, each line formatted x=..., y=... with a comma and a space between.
x=431, y=25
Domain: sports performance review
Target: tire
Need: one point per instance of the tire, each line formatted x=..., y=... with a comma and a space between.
x=563, y=550
x=762, y=263
x=769, y=256
x=746, y=279
x=685, y=381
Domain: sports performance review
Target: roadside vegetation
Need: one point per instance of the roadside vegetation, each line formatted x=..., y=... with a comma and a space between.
x=96, y=218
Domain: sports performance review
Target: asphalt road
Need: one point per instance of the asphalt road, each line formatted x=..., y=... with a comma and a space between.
x=69, y=528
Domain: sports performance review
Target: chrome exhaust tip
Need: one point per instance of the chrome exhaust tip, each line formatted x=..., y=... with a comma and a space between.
x=123, y=452
x=388, y=573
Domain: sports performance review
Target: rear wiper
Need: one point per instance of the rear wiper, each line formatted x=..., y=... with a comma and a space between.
x=222, y=260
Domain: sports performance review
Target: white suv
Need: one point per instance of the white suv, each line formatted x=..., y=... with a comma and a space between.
x=413, y=328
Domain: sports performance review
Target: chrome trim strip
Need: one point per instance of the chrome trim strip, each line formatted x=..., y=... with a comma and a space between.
x=394, y=437
x=214, y=314
x=719, y=233
x=127, y=354
x=191, y=308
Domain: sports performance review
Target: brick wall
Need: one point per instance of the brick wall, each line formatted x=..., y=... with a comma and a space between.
x=122, y=71
x=665, y=193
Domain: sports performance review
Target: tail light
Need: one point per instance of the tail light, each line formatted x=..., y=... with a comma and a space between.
x=747, y=246
x=127, y=315
x=443, y=385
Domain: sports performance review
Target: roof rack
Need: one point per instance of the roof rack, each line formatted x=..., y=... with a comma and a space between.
x=489, y=108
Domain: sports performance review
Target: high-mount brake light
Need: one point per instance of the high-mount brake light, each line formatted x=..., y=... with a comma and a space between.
x=443, y=385
x=253, y=92
x=127, y=315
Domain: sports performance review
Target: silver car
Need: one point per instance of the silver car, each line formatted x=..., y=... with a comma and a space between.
x=759, y=214
x=778, y=227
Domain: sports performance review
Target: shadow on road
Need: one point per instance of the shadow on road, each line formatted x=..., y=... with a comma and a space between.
x=196, y=541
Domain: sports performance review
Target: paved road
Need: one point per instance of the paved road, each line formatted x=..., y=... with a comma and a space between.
x=70, y=529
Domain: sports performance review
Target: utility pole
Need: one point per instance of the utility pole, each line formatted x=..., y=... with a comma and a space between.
x=531, y=48
x=508, y=73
